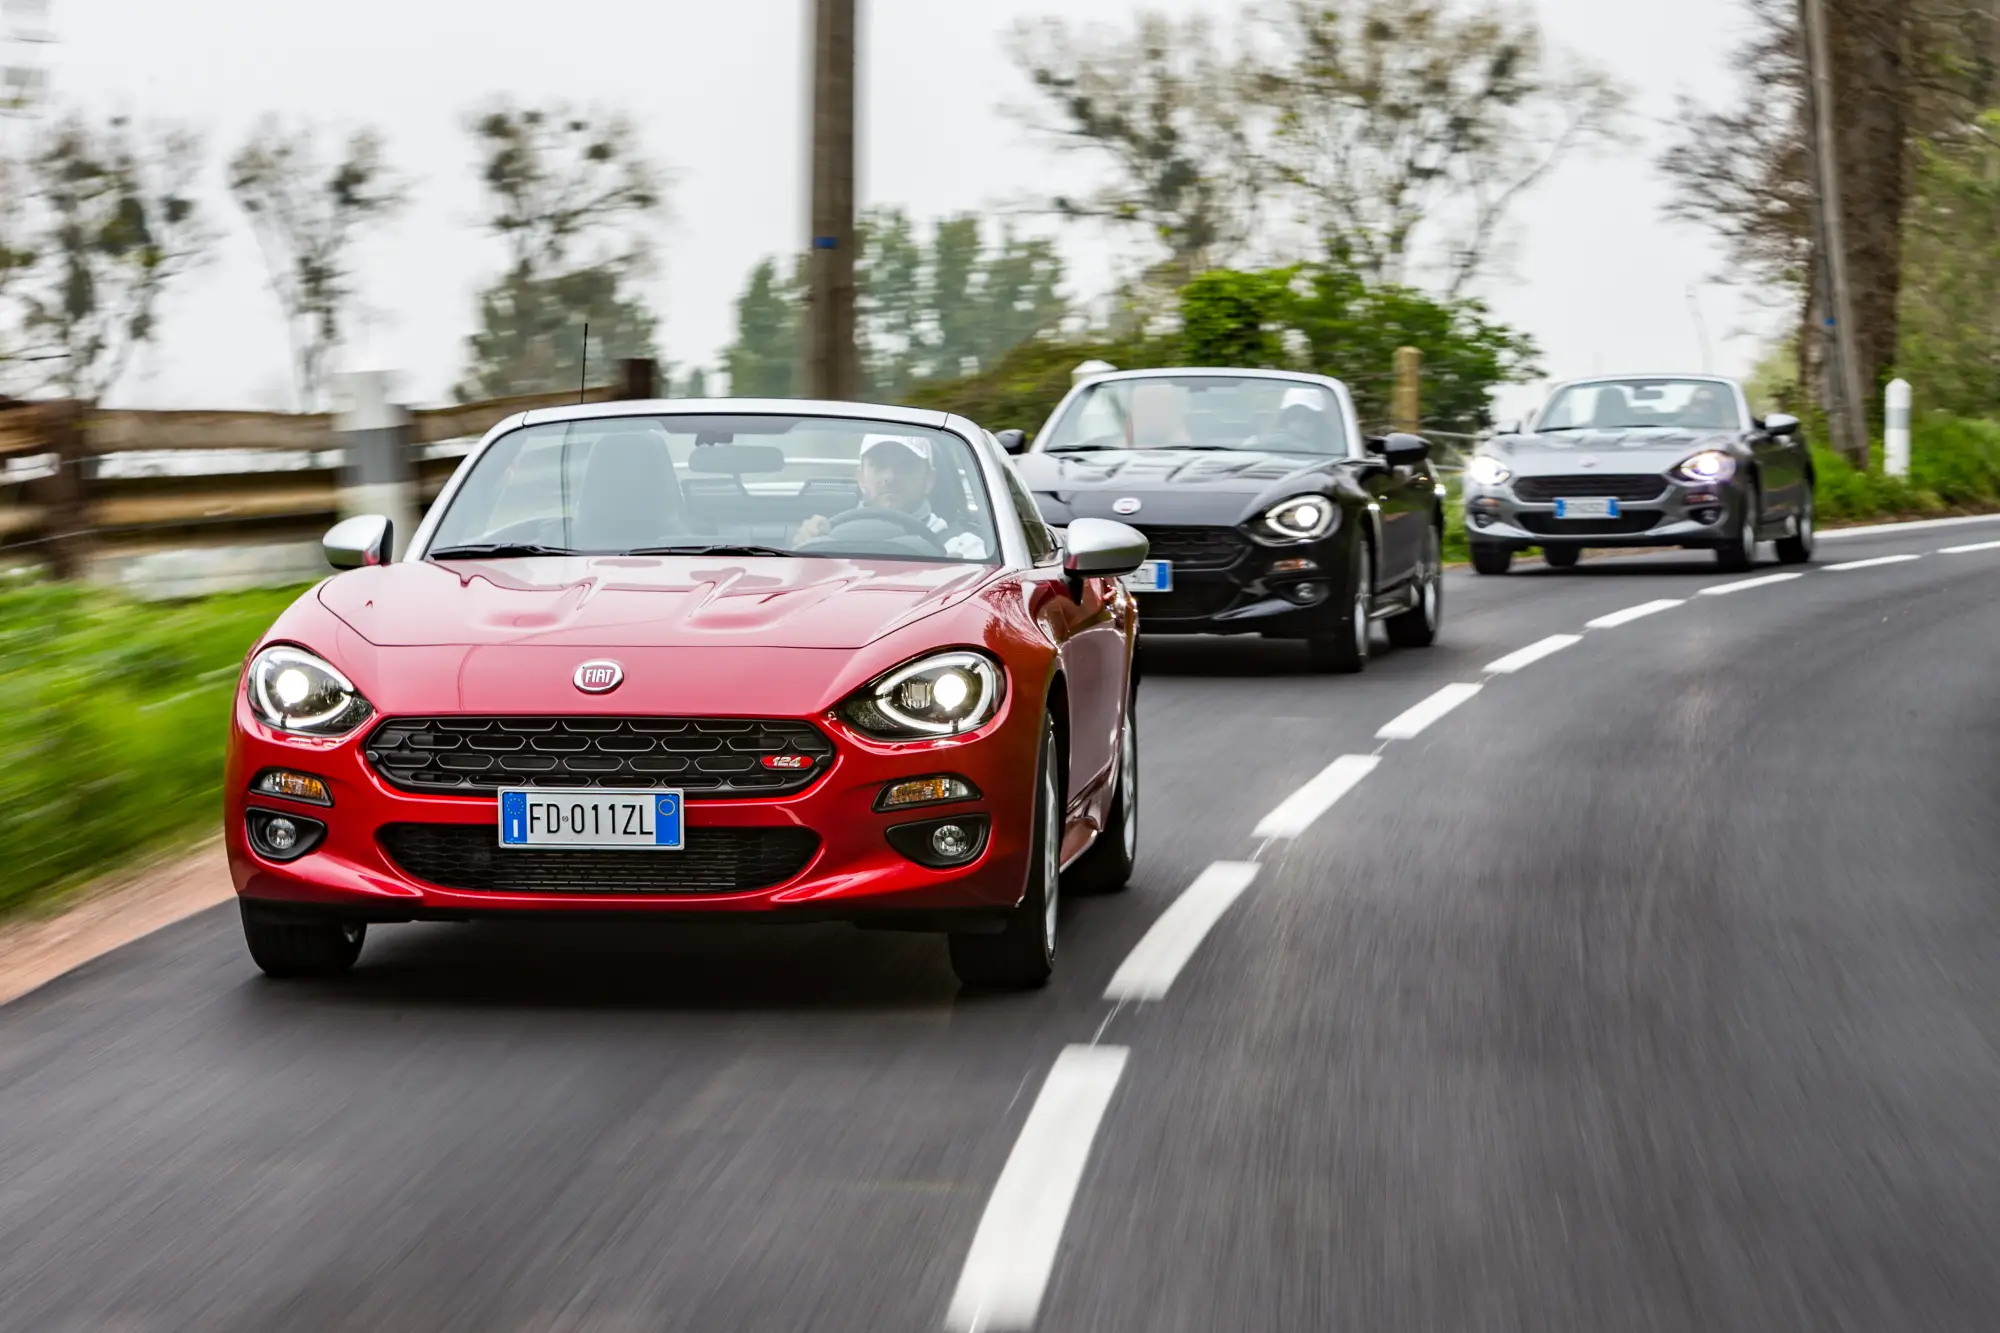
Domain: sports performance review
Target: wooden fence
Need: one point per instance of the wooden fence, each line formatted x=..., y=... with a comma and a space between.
x=77, y=484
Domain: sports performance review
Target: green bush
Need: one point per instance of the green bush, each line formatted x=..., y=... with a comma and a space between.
x=1954, y=468
x=111, y=741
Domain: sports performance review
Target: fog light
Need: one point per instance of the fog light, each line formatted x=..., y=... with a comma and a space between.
x=942, y=844
x=277, y=837
x=925, y=791
x=292, y=786
x=950, y=841
x=1306, y=594
x=1482, y=520
x=1707, y=516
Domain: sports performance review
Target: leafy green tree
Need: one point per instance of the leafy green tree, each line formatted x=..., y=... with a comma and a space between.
x=574, y=197
x=306, y=215
x=114, y=223
x=1230, y=318
x=764, y=360
x=1950, y=324
x=889, y=281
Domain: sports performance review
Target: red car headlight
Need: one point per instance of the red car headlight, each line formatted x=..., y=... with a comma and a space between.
x=941, y=695
x=297, y=691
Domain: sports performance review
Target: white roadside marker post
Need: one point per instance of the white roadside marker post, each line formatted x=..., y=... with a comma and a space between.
x=378, y=472
x=1896, y=429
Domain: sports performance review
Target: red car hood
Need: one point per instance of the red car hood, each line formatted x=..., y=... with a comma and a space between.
x=645, y=602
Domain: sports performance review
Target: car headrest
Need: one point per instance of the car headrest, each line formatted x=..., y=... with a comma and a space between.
x=630, y=497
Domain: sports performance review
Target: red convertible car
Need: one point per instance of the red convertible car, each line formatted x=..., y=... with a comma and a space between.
x=778, y=660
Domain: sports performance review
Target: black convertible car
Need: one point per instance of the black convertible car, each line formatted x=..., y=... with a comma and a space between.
x=1267, y=509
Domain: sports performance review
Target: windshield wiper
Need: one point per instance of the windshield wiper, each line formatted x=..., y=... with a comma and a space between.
x=497, y=551
x=717, y=549
x=1086, y=449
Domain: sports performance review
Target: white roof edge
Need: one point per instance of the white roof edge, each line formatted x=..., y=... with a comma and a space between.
x=799, y=407
x=1310, y=377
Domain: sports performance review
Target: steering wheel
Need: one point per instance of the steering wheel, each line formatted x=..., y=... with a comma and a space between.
x=909, y=524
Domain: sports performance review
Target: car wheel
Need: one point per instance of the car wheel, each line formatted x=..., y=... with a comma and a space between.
x=1418, y=627
x=291, y=949
x=1023, y=954
x=1797, y=549
x=1561, y=557
x=1492, y=557
x=1107, y=866
x=1345, y=650
x=1741, y=552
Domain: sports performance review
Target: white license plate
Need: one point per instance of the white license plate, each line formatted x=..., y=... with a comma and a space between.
x=1591, y=508
x=1153, y=576
x=647, y=821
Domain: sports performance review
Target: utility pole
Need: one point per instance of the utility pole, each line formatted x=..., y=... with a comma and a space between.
x=1850, y=417
x=832, y=360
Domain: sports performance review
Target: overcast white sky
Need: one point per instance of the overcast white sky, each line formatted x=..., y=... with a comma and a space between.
x=1597, y=276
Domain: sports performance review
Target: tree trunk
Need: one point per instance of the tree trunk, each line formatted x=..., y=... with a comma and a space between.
x=1870, y=42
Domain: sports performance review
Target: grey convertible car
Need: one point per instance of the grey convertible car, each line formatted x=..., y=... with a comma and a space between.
x=1650, y=460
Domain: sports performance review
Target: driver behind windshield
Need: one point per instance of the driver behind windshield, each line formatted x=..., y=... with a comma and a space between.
x=896, y=474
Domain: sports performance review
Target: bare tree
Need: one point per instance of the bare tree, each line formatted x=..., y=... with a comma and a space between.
x=115, y=223
x=1407, y=130
x=1159, y=107
x=306, y=215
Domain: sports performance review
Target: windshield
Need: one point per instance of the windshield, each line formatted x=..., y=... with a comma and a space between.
x=761, y=485
x=1635, y=404
x=1202, y=412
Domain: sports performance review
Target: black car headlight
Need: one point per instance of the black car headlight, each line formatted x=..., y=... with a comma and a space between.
x=1303, y=518
x=1710, y=465
x=941, y=695
x=297, y=691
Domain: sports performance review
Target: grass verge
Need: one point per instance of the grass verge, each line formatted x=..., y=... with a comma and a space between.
x=111, y=741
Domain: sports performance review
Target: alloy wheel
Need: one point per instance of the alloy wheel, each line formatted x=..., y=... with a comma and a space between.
x=1051, y=856
x=1128, y=787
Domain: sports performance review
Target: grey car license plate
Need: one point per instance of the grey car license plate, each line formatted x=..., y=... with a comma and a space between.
x=1587, y=508
x=1153, y=576
x=648, y=821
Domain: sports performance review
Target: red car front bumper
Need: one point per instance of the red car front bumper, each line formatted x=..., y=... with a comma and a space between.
x=856, y=874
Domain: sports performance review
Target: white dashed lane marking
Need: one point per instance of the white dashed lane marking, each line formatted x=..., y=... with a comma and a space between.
x=1976, y=546
x=1871, y=564
x=1533, y=653
x=1007, y=1269
x=1412, y=723
x=1741, y=585
x=1298, y=811
x=1632, y=613
x=1148, y=972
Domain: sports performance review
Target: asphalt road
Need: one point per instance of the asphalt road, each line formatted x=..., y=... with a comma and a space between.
x=1654, y=987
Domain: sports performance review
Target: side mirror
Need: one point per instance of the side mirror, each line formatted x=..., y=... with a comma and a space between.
x=1405, y=450
x=1780, y=424
x=1101, y=548
x=1013, y=441
x=1512, y=427
x=360, y=542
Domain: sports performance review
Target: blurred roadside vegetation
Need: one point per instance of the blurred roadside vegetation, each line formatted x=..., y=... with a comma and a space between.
x=113, y=733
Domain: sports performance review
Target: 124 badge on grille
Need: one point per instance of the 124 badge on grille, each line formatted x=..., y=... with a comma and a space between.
x=552, y=817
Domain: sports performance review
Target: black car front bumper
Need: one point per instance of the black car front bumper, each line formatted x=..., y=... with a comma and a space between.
x=1225, y=583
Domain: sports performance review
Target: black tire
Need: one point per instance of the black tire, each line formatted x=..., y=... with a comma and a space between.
x=1344, y=651
x=1740, y=554
x=1492, y=557
x=1107, y=866
x=1418, y=627
x=291, y=949
x=1022, y=956
x=1562, y=557
x=1797, y=549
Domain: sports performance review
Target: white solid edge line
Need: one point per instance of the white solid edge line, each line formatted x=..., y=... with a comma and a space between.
x=1411, y=723
x=1916, y=525
x=1296, y=813
x=1148, y=972
x=1007, y=1268
x=1720, y=589
x=1533, y=653
x=1632, y=613
x=1976, y=546
x=1872, y=563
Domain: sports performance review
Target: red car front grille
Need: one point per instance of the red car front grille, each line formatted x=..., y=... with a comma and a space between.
x=706, y=757
x=715, y=860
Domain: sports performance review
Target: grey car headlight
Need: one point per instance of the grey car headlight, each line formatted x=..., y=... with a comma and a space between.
x=1487, y=470
x=1302, y=518
x=944, y=694
x=1707, y=466
x=300, y=692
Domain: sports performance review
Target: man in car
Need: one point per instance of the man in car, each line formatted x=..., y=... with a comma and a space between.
x=896, y=474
